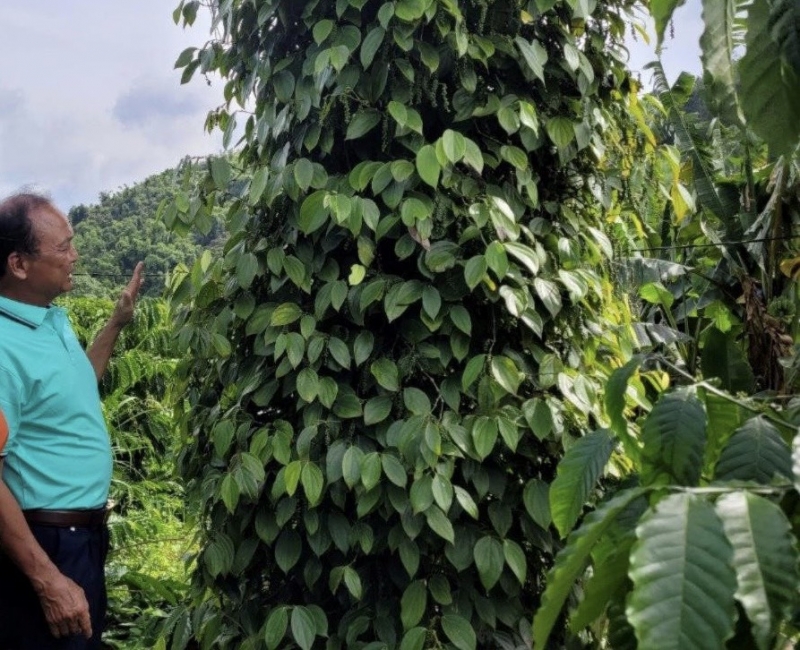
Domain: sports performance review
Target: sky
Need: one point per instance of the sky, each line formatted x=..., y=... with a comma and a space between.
x=90, y=101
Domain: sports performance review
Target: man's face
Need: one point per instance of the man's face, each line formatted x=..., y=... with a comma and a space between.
x=49, y=270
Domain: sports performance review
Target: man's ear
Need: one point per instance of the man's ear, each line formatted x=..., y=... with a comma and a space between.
x=17, y=266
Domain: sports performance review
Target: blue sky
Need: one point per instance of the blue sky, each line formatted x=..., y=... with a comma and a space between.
x=90, y=101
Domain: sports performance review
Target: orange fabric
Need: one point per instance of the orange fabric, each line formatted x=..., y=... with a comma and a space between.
x=3, y=431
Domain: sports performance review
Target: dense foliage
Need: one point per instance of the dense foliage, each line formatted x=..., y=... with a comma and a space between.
x=698, y=547
x=404, y=331
x=151, y=536
x=127, y=226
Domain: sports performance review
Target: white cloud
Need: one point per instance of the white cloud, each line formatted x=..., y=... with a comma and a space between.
x=92, y=101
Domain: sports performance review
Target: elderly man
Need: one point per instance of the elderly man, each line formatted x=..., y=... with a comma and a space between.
x=55, y=470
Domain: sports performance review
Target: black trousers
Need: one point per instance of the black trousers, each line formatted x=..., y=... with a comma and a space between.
x=80, y=554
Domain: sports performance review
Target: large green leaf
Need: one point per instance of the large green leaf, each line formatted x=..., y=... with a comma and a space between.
x=674, y=436
x=683, y=578
x=770, y=87
x=459, y=631
x=615, y=404
x=766, y=561
x=610, y=561
x=576, y=477
x=755, y=452
x=661, y=11
x=724, y=359
x=784, y=23
x=572, y=560
x=725, y=415
x=716, y=51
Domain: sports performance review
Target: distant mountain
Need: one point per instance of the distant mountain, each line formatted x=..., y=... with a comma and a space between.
x=123, y=228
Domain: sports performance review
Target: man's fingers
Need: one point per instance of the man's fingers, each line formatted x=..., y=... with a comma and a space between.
x=85, y=624
x=136, y=279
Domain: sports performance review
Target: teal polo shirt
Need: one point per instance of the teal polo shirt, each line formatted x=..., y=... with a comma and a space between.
x=58, y=454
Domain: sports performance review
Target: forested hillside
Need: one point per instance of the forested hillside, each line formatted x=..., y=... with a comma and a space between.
x=125, y=227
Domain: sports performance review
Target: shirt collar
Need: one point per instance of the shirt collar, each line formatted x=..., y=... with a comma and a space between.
x=30, y=315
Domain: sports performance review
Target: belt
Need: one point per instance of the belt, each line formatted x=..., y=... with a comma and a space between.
x=67, y=518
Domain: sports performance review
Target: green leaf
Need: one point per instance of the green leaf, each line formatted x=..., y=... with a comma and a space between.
x=351, y=466
x=328, y=390
x=322, y=30
x=523, y=254
x=724, y=417
x=484, y=435
x=370, y=45
x=371, y=470
x=755, y=452
x=275, y=627
x=287, y=550
x=362, y=123
x=258, y=184
x=610, y=563
x=576, y=476
x=394, y=470
x=536, y=498
x=416, y=401
x=723, y=358
x=461, y=319
x=560, y=130
x=339, y=352
x=220, y=172
x=683, y=577
x=413, y=604
x=475, y=270
x=497, y=259
x=295, y=269
x=304, y=628
x=308, y=384
x=357, y=274
x=717, y=55
x=489, y=560
x=473, y=370
x=459, y=631
x=534, y=54
x=571, y=562
x=454, y=145
x=230, y=493
x=428, y=166
x=353, y=582
x=674, y=437
x=431, y=301
x=770, y=89
x=377, y=409
x=515, y=559
x=616, y=388
x=466, y=501
x=661, y=11
x=766, y=561
x=385, y=372
x=285, y=314
x=246, y=269
x=283, y=82
x=303, y=173
x=414, y=639
x=440, y=524
x=313, y=482
x=548, y=294
x=362, y=347
x=505, y=373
